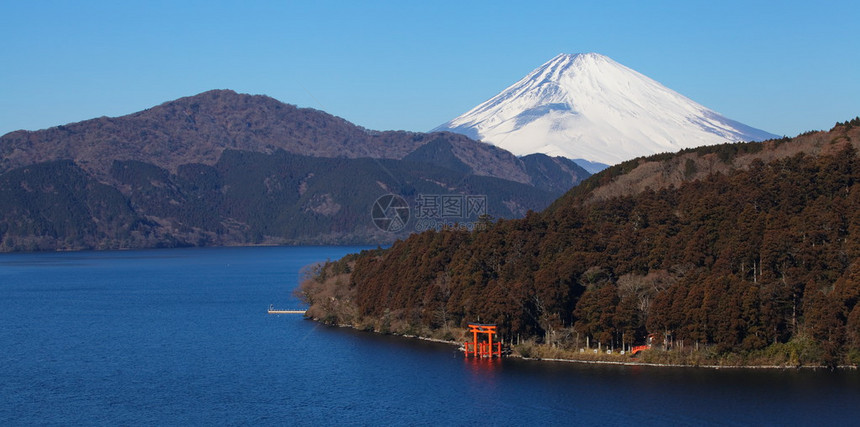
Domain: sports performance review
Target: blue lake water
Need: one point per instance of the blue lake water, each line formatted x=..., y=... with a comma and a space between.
x=181, y=336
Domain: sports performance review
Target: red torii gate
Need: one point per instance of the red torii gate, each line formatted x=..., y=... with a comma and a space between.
x=484, y=348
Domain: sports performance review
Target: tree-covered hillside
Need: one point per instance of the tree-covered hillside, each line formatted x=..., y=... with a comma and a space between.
x=222, y=168
x=246, y=198
x=197, y=129
x=759, y=261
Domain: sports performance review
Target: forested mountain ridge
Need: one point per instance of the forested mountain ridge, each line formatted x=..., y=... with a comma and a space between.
x=672, y=169
x=196, y=129
x=222, y=168
x=246, y=198
x=757, y=261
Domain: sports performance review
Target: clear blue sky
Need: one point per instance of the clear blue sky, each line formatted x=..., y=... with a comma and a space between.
x=785, y=67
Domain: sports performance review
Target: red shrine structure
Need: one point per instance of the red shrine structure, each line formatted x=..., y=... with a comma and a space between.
x=483, y=348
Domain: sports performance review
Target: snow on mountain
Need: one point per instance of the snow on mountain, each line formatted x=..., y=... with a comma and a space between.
x=587, y=106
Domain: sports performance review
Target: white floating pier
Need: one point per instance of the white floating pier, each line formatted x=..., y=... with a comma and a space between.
x=272, y=310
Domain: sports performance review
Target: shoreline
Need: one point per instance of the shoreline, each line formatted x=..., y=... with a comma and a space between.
x=638, y=363
x=610, y=362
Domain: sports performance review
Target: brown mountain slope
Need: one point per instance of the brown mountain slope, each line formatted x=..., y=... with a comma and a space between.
x=665, y=170
x=198, y=128
x=222, y=168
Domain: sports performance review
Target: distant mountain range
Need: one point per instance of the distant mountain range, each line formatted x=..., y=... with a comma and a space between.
x=222, y=168
x=197, y=129
x=589, y=107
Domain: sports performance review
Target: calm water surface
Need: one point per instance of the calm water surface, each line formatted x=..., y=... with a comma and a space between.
x=181, y=336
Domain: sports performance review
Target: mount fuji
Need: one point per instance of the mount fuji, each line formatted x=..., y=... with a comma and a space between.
x=589, y=107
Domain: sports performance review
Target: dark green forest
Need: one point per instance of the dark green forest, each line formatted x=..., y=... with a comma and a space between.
x=761, y=263
x=246, y=198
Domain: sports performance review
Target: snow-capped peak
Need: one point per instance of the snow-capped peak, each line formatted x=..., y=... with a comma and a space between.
x=590, y=107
